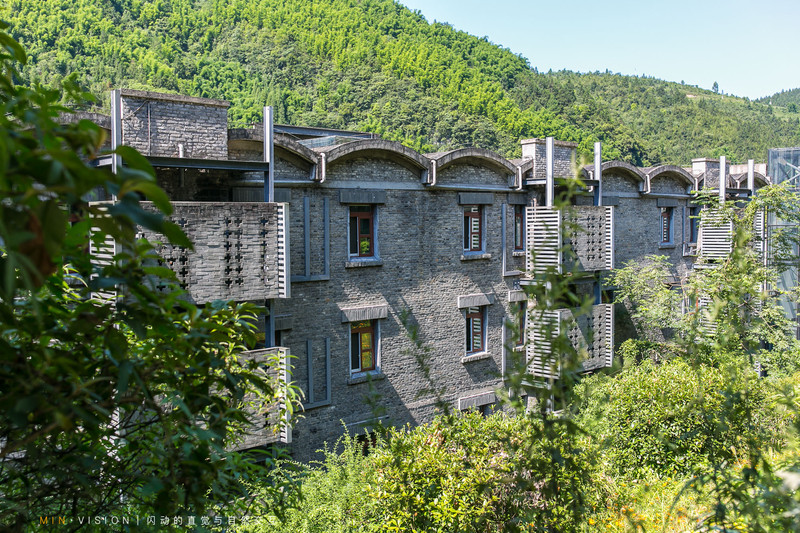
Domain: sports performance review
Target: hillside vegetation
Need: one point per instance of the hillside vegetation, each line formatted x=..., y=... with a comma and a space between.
x=375, y=65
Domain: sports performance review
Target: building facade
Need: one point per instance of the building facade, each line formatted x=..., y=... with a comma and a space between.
x=368, y=241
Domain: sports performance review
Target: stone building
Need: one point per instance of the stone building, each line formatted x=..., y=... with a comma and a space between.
x=367, y=240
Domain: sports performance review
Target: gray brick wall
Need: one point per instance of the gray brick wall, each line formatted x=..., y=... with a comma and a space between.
x=155, y=124
x=236, y=248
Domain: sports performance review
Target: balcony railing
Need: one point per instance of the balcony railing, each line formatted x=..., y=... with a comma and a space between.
x=579, y=238
x=591, y=335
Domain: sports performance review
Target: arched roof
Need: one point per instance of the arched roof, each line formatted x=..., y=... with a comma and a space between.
x=671, y=171
x=287, y=144
x=624, y=168
x=377, y=147
x=480, y=156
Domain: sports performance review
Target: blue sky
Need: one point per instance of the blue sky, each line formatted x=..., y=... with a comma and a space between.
x=750, y=48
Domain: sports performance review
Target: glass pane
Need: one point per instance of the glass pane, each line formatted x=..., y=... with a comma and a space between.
x=365, y=246
x=476, y=242
x=469, y=335
x=360, y=209
x=360, y=325
x=353, y=236
x=366, y=341
x=466, y=232
x=354, y=352
x=366, y=360
x=365, y=226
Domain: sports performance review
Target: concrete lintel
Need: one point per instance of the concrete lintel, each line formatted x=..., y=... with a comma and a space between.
x=283, y=323
x=666, y=202
x=518, y=199
x=475, y=198
x=372, y=312
x=362, y=196
x=475, y=300
x=517, y=296
x=477, y=400
x=283, y=196
x=610, y=200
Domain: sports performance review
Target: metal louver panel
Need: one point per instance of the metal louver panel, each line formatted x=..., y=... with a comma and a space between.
x=608, y=326
x=542, y=361
x=703, y=306
x=543, y=235
x=284, y=275
x=102, y=254
x=609, y=244
x=716, y=236
x=759, y=240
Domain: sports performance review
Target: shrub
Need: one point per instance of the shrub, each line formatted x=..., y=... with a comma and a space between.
x=458, y=473
x=675, y=419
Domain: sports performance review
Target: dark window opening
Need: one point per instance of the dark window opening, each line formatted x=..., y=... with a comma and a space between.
x=519, y=227
x=362, y=231
x=473, y=230
x=475, y=329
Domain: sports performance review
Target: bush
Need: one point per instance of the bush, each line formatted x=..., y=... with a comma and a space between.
x=460, y=473
x=675, y=419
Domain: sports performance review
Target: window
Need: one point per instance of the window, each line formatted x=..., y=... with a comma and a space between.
x=363, y=346
x=666, y=224
x=522, y=316
x=473, y=228
x=519, y=227
x=476, y=329
x=362, y=231
x=694, y=223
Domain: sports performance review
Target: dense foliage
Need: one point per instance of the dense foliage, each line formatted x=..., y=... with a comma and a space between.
x=459, y=473
x=374, y=65
x=108, y=404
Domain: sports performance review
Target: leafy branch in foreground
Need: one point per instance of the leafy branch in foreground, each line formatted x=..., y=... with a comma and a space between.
x=105, y=407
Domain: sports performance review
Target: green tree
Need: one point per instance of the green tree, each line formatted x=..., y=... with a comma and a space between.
x=105, y=406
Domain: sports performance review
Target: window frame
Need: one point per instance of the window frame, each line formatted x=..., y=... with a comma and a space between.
x=521, y=314
x=519, y=228
x=469, y=329
x=358, y=328
x=667, y=219
x=371, y=215
x=694, y=223
x=472, y=213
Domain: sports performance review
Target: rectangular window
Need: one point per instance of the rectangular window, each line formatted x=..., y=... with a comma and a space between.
x=362, y=231
x=476, y=329
x=666, y=224
x=694, y=223
x=473, y=228
x=522, y=318
x=519, y=227
x=363, y=346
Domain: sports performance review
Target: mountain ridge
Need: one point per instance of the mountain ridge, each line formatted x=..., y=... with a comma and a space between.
x=375, y=65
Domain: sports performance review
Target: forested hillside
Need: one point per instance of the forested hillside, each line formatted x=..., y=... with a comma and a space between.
x=784, y=99
x=374, y=65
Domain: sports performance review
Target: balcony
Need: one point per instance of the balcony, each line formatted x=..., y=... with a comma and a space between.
x=580, y=238
x=240, y=250
x=591, y=335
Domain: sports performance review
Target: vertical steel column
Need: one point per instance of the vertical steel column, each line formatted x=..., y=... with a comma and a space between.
x=598, y=173
x=116, y=128
x=751, y=176
x=269, y=155
x=549, y=184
